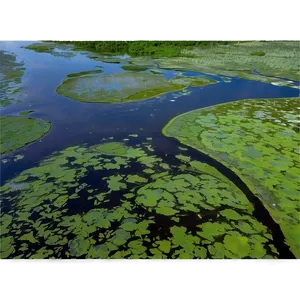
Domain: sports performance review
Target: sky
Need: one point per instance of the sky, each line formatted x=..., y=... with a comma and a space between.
x=18, y=35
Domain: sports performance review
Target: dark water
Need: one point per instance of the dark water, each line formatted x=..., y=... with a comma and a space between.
x=94, y=121
x=75, y=122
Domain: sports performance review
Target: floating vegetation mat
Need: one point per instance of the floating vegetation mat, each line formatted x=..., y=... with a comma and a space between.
x=113, y=200
x=259, y=140
x=123, y=87
x=134, y=68
x=281, y=59
x=19, y=131
x=53, y=49
x=11, y=73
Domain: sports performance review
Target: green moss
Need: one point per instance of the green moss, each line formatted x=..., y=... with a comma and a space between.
x=257, y=139
x=16, y=132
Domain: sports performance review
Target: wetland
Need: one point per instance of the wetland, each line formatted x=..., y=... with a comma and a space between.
x=161, y=151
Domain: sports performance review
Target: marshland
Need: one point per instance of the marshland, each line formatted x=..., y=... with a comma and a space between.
x=150, y=149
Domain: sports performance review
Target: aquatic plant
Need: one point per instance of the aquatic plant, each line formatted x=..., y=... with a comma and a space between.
x=134, y=68
x=53, y=210
x=89, y=72
x=259, y=140
x=54, y=49
x=19, y=131
x=26, y=112
x=11, y=73
x=193, y=81
x=281, y=59
x=124, y=87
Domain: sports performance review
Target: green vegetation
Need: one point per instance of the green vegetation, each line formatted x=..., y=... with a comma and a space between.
x=53, y=49
x=83, y=73
x=151, y=48
x=26, y=112
x=258, y=53
x=192, y=81
x=224, y=58
x=281, y=59
x=123, y=87
x=11, y=73
x=134, y=68
x=41, y=221
x=259, y=140
x=19, y=131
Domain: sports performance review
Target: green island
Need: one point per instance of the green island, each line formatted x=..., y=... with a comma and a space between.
x=123, y=87
x=42, y=222
x=17, y=132
x=266, y=158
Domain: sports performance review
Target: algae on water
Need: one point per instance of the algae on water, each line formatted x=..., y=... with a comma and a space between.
x=258, y=139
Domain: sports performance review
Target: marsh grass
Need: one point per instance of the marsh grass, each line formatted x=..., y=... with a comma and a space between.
x=281, y=59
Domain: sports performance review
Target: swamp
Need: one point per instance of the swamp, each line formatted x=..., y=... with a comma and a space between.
x=150, y=149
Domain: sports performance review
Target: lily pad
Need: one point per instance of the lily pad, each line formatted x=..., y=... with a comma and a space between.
x=79, y=246
x=256, y=138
